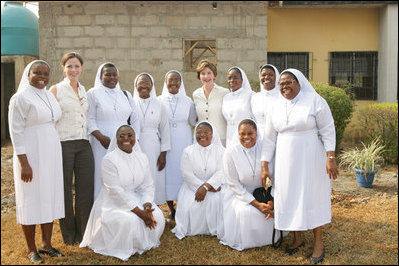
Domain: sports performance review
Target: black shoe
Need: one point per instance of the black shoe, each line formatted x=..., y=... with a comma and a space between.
x=52, y=252
x=34, y=257
x=318, y=259
x=291, y=251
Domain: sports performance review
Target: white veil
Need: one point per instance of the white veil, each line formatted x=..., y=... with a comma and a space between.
x=136, y=93
x=97, y=81
x=245, y=82
x=24, y=82
x=277, y=74
x=113, y=144
x=182, y=90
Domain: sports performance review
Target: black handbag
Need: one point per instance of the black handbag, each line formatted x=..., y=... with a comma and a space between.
x=264, y=195
x=128, y=120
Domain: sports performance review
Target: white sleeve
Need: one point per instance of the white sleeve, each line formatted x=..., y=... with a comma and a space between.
x=187, y=172
x=193, y=114
x=269, y=140
x=147, y=188
x=233, y=181
x=325, y=124
x=163, y=129
x=17, y=112
x=134, y=116
x=91, y=112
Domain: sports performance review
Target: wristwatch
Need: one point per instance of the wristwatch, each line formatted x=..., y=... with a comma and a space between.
x=207, y=189
x=331, y=157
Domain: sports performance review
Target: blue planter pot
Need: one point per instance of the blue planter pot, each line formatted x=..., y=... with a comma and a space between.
x=365, y=180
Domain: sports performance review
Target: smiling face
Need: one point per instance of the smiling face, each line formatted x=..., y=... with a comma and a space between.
x=204, y=135
x=207, y=77
x=72, y=69
x=109, y=77
x=173, y=82
x=144, y=86
x=39, y=75
x=268, y=78
x=289, y=86
x=126, y=138
x=247, y=135
x=234, y=79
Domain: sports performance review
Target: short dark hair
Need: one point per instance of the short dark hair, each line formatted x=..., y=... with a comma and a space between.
x=70, y=55
x=248, y=122
x=290, y=73
x=236, y=69
x=204, y=123
x=266, y=67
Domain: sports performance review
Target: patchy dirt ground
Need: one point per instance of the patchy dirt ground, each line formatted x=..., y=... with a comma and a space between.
x=364, y=230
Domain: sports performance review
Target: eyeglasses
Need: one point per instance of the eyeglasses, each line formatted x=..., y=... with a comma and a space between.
x=129, y=135
x=287, y=82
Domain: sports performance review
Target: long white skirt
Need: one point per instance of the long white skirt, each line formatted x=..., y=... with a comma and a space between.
x=42, y=200
x=197, y=218
x=151, y=146
x=119, y=232
x=244, y=225
x=302, y=191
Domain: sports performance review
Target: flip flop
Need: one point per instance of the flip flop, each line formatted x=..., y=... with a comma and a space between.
x=52, y=252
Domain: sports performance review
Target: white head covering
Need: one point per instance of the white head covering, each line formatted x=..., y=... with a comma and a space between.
x=245, y=82
x=215, y=134
x=262, y=88
x=114, y=144
x=303, y=81
x=182, y=90
x=152, y=92
x=98, y=83
x=24, y=83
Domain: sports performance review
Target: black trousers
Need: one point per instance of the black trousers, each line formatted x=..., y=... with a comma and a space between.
x=78, y=161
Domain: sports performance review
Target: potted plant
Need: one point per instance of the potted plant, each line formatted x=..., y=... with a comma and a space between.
x=365, y=162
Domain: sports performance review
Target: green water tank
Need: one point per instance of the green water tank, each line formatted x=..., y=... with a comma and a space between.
x=19, y=30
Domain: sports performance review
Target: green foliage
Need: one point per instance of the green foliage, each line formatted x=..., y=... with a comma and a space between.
x=367, y=159
x=381, y=119
x=340, y=104
x=255, y=85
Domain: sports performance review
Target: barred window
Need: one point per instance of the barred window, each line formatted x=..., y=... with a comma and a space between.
x=196, y=50
x=284, y=60
x=355, y=69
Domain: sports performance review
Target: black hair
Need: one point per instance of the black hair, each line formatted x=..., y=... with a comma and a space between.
x=266, y=67
x=204, y=123
x=292, y=74
x=236, y=69
x=248, y=122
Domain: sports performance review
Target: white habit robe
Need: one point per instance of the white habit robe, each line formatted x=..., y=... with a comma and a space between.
x=33, y=133
x=244, y=226
x=181, y=113
x=108, y=110
x=200, y=165
x=261, y=101
x=300, y=132
x=154, y=136
x=236, y=106
x=113, y=229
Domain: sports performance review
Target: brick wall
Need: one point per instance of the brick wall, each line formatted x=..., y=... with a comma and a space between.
x=148, y=37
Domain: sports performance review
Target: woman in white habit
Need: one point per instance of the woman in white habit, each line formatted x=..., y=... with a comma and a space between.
x=236, y=105
x=37, y=159
x=109, y=108
x=300, y=132
x=124, y=219
x=181, y=113
x=199, y=202
x=269, y=91
x=247, y=223
x=155, y=134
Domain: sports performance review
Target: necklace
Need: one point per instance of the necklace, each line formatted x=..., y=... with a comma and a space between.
x=253, y=168
x=287, y=114
x=146, y=109
x=205, y=162
x=48, y=104
x=173, y=111
x=114, y=98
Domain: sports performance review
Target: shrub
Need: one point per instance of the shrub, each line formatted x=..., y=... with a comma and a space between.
x=255, y=85
x=340, y=104
x=381, y=119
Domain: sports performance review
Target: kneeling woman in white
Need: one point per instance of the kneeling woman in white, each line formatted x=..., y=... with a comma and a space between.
x=124, y=219
x=199, y=200
x=245, y=224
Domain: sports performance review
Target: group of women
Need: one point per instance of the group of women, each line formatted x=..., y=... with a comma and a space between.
x=129, y=154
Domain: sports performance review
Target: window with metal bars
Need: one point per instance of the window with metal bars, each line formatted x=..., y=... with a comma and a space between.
x=357, y=70
x=284, y=60
x=196, y=50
